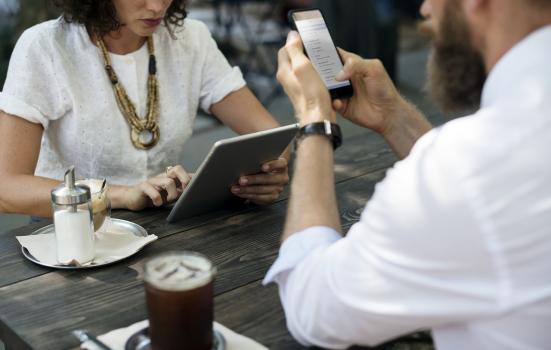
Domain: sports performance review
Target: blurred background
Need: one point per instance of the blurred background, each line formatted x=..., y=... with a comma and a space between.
x=249, y=33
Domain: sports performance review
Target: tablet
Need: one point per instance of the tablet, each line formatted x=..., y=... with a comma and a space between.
x=227, y=160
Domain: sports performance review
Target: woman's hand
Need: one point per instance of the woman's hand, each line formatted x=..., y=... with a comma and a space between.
x=376, y=101
x=265, y=187
x=159, y=190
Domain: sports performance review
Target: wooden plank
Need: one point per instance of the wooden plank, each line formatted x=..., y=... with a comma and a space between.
x=255, y=311
x=44, y=309
x=264, y=321
x=360, y=155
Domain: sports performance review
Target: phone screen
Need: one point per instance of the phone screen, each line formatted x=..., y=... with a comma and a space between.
x=320, y=47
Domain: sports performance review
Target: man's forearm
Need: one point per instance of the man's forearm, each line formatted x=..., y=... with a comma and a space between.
x=405, y=128
x=313, y=201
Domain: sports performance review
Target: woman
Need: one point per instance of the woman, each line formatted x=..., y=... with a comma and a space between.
x=113, y=87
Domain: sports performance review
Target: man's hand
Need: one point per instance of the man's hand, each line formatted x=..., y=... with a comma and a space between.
x=162, y=189
x=376, y=100
x=377, y=105
x=265, y=187
x=303, y=84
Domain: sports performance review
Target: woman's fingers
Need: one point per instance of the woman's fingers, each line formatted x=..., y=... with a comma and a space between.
x=264, y=188
x=277, y=165
x=272, y=178
x=261, y=198
x=160, y=190
x=257, y=190
x=178, y=173
x=167, y=188
x=150, y=191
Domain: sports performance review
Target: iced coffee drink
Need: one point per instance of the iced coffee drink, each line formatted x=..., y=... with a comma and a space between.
x=101, y=205
x=179, y=298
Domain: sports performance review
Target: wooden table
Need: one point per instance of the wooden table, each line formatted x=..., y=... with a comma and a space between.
x=40, y=306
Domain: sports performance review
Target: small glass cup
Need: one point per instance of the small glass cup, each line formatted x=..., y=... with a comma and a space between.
x=179, y=298
x=101, y=205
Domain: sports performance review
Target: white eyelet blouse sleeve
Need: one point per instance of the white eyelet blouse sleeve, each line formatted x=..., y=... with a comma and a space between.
x=219, y=78
x=32, y=89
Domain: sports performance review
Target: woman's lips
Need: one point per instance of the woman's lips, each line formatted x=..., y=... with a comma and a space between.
x=151, y=22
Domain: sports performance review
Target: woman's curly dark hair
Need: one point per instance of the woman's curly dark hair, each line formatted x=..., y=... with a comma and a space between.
x=100, y=16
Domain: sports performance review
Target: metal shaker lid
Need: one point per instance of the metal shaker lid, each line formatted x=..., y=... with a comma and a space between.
x=68, y=193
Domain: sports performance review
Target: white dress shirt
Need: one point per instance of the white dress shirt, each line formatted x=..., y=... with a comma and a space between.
x=56, y=77
x=456, y=238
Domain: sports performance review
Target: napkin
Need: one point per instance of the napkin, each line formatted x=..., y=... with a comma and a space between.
x=111, y=245
x=117, y=339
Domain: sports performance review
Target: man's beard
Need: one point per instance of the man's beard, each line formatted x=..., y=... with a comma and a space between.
x=456, y=70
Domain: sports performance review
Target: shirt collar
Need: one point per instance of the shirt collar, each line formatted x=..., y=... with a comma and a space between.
x=532, y=50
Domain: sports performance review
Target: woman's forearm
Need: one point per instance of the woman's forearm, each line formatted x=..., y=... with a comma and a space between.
x=20, y=191
x=243, y=113
x=26, y=194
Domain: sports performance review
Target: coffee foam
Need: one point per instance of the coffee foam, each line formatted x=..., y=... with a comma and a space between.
x=178, y=272
x=93, y=184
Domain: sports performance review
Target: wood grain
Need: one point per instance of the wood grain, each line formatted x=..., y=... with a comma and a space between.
x=39, y=307
x=44, y=309
x=360, y=155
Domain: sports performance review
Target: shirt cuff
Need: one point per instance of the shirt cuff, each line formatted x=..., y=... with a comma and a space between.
x=297, y=247
x=13, y=106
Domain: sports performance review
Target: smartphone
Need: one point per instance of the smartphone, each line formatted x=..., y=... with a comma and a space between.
x=321, y=50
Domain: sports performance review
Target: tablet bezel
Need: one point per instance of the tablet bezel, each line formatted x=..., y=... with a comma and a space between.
x=274, y=142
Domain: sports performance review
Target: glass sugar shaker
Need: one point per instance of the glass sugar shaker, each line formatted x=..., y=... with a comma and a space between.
x=74, y=229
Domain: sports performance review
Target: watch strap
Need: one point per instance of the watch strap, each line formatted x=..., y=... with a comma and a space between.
x=325, y=128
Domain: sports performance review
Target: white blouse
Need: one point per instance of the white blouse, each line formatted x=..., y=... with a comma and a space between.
x=56, y=77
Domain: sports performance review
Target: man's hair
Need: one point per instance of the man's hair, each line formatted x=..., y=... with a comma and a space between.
x=100, y=16
x=541, y=3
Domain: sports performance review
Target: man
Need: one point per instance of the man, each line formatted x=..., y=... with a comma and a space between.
x=457, y=238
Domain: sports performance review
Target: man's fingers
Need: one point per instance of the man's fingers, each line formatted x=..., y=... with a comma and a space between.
x=296, y=52
x=346, y=55
x=340, y=105
x=284, y=65
x=355, y=65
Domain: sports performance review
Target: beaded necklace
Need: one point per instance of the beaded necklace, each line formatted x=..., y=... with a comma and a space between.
x=144, y=132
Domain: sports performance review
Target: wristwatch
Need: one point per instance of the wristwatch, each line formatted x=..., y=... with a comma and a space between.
x=331, y=130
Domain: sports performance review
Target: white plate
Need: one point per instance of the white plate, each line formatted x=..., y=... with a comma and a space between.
x=140, y=341
x=116, y=225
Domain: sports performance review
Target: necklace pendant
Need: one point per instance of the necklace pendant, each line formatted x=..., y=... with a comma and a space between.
x=145, y=138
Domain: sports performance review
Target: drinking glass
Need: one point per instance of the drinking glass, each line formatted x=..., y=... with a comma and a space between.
x=179, y=298
x=101, y=205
